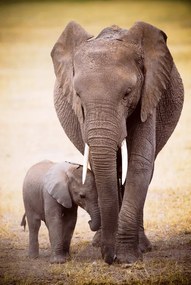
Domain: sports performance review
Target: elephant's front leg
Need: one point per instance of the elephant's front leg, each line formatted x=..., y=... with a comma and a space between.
x=56, y=234
x=128, y=249
x=141, y=161
x=144, y=243
x=60, y=231
x=61, y=225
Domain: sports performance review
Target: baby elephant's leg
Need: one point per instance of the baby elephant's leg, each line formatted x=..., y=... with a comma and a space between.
x=34, y=226
x=60, y=226
x=69, y=222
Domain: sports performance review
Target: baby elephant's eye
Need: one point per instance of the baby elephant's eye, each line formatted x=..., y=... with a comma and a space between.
x=82, y=196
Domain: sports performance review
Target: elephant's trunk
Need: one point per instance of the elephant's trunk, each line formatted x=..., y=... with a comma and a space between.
x=103, y=160
x=124, y=154
x=105, y=128
x=103, y=134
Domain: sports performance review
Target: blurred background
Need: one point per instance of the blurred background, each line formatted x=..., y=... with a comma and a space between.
x=29, y=128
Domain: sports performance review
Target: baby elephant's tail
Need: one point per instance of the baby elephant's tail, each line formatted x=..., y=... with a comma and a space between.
x=23, y=222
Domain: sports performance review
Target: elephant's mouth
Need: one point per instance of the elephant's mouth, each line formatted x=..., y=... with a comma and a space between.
x=124, y=155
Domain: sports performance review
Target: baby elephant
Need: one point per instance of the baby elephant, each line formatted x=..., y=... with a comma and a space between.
x=51, y=193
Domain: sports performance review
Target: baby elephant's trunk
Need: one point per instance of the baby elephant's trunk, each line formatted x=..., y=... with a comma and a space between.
x=95, y=222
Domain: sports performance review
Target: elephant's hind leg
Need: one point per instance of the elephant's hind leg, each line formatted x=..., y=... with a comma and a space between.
x=34, y=226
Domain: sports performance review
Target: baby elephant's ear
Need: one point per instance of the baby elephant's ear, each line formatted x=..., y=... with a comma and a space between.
x=56, y=184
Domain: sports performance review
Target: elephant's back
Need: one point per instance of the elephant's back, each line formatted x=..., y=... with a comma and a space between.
x=35, y=175
x=33, y=186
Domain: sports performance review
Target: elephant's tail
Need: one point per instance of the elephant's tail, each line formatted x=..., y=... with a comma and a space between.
x=23, y=222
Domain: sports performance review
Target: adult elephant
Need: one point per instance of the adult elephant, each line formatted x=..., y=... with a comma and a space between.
x=119, y=88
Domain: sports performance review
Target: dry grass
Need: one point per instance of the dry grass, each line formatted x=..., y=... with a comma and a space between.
x=30, y=131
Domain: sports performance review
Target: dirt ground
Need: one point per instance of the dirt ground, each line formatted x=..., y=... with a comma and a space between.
x=30, y=132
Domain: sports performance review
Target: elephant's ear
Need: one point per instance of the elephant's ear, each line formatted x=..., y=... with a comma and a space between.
x=158, y=64
x=56, y=183
x=63, y=51
x=67, y=104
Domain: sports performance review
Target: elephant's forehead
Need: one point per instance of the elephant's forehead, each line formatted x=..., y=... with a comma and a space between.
x=99, y=53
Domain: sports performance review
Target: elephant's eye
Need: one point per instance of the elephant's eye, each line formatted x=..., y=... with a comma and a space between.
x=128, y=91
x=82, y=196
x=77, y=94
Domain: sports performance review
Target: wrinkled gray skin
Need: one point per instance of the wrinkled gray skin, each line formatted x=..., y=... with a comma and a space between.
x=121, y=84
x=52, y=193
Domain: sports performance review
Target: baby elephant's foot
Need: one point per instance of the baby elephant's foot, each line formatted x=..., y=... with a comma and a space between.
x=61, y=258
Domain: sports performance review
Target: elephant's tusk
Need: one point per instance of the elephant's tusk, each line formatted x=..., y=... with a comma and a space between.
x=85, y=163
x=124, y=154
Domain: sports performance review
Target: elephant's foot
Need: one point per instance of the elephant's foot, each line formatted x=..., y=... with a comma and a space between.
x=61, y=258
x=127, y=254
x=33, y=255
x=108, y=253
x=144, y=243
x=96, y=242
x=33, y=252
